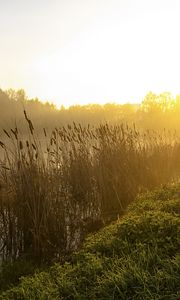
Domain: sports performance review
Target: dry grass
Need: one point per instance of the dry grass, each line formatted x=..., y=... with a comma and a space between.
x=55, y=190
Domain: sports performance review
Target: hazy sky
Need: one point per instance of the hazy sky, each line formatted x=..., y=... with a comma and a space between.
x=81, y=51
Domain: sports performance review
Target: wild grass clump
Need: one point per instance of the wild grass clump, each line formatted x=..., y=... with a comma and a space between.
x=136, y=257
x=57, y=187
x=10, y=273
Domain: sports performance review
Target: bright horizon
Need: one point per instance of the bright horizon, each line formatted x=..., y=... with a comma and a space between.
x=93, y=51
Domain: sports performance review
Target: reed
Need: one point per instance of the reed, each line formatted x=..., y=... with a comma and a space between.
x=56, y=188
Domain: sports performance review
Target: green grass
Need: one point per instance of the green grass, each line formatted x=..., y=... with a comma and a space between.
x=138, y=257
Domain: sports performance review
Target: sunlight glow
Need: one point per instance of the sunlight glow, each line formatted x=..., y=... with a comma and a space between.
x=115, y=52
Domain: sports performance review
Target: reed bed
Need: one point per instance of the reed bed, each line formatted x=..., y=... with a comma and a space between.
x=56, y=189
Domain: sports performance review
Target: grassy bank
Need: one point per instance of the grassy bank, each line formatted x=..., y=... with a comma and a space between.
x=138, y=257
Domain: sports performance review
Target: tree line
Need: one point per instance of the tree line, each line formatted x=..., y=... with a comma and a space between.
x=156, y=111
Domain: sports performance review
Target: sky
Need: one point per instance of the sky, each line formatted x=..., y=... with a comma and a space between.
x=90, y=51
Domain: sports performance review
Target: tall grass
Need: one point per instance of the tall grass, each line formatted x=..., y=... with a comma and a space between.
x=56, y=189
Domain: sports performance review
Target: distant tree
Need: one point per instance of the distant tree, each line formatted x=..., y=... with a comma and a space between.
x=18, y=95
x=150, y=103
